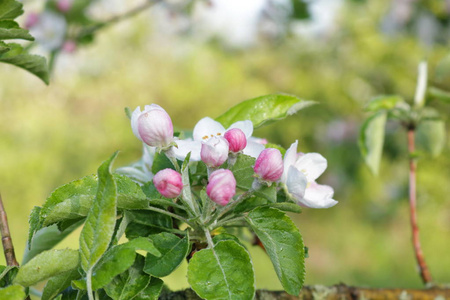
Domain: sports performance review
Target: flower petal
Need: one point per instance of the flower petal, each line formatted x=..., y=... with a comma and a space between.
x=296, y=183
x=246, y=126
x=207, y=127
x=134, y=122
x=312, y=165
x=186, y=146
x=289, y=160
x=319, y=196
x=253, y=149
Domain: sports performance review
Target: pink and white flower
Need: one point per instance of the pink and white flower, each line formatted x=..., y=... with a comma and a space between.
x=221, y=186
x=300, y=173
x=168, y=183
x=49, y=29
x=207, y=128
x=152, y=126
x=269, y=165
x=214, y=151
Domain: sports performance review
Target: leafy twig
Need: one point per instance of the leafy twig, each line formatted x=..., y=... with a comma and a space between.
x=423, y=268
x=8, y=247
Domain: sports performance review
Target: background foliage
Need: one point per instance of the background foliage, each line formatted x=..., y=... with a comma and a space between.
x=52, y=135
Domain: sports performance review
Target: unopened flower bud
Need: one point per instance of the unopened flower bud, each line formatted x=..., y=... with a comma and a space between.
x=168, y=183
x=236, y=139
x=214, y=151
x=153, y=126
x=64, y=5
x=221, y=187
x=31, y=20
x=269, y=165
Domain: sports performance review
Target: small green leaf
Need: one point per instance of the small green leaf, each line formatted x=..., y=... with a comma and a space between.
x=264, y=109
x=7, y=275
x=152, y=291
x=47, y=264
x=371, y=140
x=12, y=292
x=99, y=226
x=73, y=200
x=225, y=237
x=10, y=30
x=223, y=272
x=173, y=251
x=34, y=64
x=130, y=283
x=46, y=238
x=59, y=283
x=439, y=94
x=34, y=221
x=267, y=192
x=384, y=102
x=283, y=244
x=151, y=219
x=431, y=136
x=161, y=162
x=243, y=171
x=10, y=9
x=249, y=204
x=288, y=207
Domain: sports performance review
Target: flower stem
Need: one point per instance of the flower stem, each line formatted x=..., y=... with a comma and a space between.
x=232, y=206
x=423, y=268
x=89, y=285
x=175, y=216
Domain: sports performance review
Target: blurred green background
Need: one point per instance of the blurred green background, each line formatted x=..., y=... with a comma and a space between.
x=50, y=135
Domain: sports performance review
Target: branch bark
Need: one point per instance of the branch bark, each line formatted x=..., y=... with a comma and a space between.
x=423, y=268
x=8, y=247
x=336, y=292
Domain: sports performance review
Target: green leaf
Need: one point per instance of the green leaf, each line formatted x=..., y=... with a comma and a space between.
x=130, y=283
x=264, y=109
x=73, y=200
x=7, y=275
x=152, y=291
x=34, y=64
x=34, y=222
x=223, y=272
x=12, y=292
x=267, y=192
x=46, y=238
x=431, y=136
x=283, y=244
x=161, y=162
x=10, y=30
x=439, y=94
x=249, y=204
x=384, y=102
x=243, y=171
x=10, y=9
x=371, y=140
x=59, y=283
x=47, y=264
x=99, y=226
x=116, y=260
x=286, y=206
x=173, y=251
x=225, y=237
x=150, y=218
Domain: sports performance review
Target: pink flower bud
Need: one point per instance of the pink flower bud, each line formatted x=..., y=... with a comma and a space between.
x=153, y=126
x=237, y=139
x=31, y=20
x=221, y=187
x=64, y=5
x=69, y=46
x=168, y=183
x=269, y=165
x=214, y=151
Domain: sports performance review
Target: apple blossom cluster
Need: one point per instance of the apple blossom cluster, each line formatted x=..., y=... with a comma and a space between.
x=294, y=174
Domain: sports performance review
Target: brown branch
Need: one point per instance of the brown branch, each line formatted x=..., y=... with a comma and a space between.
x=8, y=247
x=423, y=268
x=336, y=292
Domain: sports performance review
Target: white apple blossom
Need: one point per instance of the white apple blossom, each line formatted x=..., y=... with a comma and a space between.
x=207, y=128
x=49, y=30
x=300, y=173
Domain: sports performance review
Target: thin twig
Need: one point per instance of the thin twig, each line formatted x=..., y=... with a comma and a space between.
x=91, y=29
x=423, y=268
x=8, y=247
